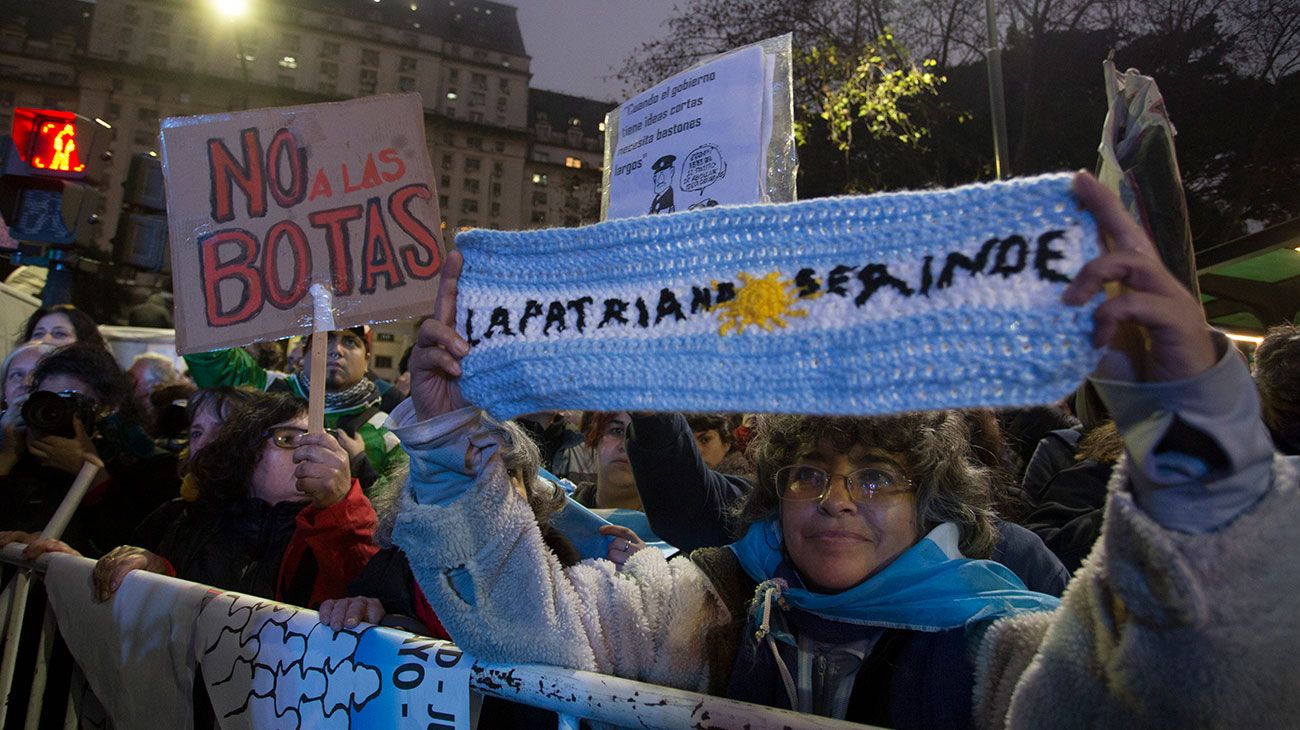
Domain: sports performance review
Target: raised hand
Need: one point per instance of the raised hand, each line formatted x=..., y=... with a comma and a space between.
x=323, y=469
x=435, y=359
x=1172, y=340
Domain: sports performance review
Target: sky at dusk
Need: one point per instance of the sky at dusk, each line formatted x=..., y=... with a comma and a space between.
x=576, y=44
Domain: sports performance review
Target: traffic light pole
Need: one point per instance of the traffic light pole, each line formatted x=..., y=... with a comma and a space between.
x=58, y=281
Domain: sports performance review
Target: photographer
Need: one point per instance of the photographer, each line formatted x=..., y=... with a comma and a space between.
x=80, y=410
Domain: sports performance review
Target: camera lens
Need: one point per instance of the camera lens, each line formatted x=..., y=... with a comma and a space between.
x=48, y=413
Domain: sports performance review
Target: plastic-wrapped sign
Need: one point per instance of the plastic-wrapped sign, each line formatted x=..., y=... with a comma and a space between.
x=264, y=203
x=719, y=133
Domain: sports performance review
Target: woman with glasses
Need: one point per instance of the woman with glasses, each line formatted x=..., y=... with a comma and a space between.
x=856, y=590
x=277, y=512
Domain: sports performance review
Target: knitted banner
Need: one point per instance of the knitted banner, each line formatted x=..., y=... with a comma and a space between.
x=854, y=305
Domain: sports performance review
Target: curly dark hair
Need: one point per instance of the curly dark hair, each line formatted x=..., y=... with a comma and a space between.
x=85, y=327
x=224, y=468
x=951, y=486
x=1277, y=376
x=97, y=367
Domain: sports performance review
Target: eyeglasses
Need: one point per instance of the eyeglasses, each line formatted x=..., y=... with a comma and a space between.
x=800, y=483
x=286, y=437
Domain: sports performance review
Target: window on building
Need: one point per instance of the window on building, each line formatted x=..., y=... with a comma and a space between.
x=290, y=41
x=130, y=13
x=449, y=139
x=539, y=198
x=478, y=81
x=326, y=87
x=503, y=85
x=446, y=161
x=407, y=64
x=146, y=114
x=159, y=40
x=540, y=156
x=151, y=90
x=288, y=62
x=496, y=189
x=116, y=84
x=477, y=98
x=406, y=83
x=469, y=205
x=572, y=162
x=112, y=110
x=499, y=145
x=444, y=181
x=501, y=104
x=496, y=209
x=442, y=202
x=476, y=117
x=539, y=178
x=162, y=19
x=471, y=185
x=539, y=216
x=369, y=57
x=329, y=69
x=475, y=143
x=453, y=75
x=498, y=169
x=153, y=59
x=329, y=49
x=383, y=361
x=368, y=80
x=473, y=164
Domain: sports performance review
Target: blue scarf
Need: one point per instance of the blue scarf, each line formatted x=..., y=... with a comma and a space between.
x=922, y=590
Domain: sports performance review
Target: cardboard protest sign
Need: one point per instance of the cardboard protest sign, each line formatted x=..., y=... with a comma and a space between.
x=853, y=305
x=698, y=139
x=264, y=203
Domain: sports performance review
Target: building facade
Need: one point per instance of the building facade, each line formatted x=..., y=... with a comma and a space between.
x=505, y=156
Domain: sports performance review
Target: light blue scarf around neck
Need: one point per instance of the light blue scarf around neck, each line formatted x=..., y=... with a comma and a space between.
x=924, y=589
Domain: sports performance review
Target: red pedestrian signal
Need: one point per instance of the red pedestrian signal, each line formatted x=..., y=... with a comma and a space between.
x=46, y=139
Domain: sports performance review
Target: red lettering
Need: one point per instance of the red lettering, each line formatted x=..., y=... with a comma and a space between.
x=321, y=187
x=224, y=170
x=213, y=271
x=389, y=156
x=335, y=222
x=377, y=256
x=370, y=178
x=347, y=184
x=283, y=144
x=423, y=259
x=286, y=231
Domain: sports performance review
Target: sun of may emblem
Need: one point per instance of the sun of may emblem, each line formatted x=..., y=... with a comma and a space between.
x=765, y=302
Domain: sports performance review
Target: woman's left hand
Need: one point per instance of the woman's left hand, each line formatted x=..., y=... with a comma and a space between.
x=65, y=454
x=624, y=545
x=322, y=470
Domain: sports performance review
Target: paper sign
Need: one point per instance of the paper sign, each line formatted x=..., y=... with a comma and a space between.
x=695, y=140
x=264, y=203
x=269, y=665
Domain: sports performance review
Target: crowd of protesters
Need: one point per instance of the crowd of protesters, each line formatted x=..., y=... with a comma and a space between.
x=1047, y=565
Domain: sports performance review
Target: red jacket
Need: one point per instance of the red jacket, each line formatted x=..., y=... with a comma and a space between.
x=339, y=540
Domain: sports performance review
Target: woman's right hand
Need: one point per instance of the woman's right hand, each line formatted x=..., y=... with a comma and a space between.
x=435, y=359
x=113, y=567
x=346, y=613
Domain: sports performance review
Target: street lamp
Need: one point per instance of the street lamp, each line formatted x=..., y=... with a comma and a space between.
x=231, y=8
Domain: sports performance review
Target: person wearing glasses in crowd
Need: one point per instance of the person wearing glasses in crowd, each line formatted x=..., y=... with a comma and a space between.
x=351, y=398
x=856, y=590
x=277, y=513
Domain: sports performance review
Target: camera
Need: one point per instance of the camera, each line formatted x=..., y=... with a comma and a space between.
x=52, y=413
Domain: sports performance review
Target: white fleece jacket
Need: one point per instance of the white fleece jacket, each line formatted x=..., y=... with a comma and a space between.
x=1159, y=628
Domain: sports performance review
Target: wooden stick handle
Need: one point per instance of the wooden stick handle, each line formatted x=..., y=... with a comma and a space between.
x=316, y=398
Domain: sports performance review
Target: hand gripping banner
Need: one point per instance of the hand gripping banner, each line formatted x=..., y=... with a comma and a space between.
x=854, y=305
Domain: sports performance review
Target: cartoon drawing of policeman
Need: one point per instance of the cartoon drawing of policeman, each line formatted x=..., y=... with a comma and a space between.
x=664, y=170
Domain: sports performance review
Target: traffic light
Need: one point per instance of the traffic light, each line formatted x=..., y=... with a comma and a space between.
x=141, y=239
x=42, y=164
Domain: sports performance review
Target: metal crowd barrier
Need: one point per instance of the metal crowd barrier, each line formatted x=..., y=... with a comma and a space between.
x=573, y=695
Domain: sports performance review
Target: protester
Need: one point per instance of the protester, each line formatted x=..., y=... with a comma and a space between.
x=615, y=486
x=150, y=370
x=277, y=515
x=87, y=415
x=1068, y=509
x=716, y=439
x=1277, y=376
x=61, y=324
x=857, y=542
x=17, y=373
x=351, y=399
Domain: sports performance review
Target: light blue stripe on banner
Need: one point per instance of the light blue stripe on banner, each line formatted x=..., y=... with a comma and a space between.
x=855, y=305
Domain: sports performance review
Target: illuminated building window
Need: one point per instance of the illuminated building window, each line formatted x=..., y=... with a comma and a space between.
x=572, y=162
x=289, y=62
x=539, y=178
